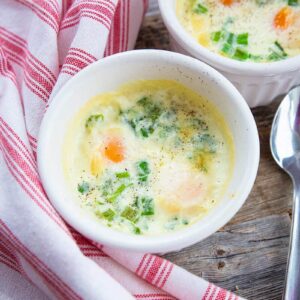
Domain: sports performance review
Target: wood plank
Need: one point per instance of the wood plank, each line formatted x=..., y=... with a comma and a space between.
x=248, y=258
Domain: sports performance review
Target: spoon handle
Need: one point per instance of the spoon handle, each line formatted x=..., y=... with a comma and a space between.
x=292, y=280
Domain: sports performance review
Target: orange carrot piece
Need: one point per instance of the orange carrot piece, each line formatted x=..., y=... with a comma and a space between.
x=227, y=2
x=283, y=18
x=114, y=151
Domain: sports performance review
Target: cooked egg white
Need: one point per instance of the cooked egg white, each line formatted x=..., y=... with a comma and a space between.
x=272, y=27
x=149, y=158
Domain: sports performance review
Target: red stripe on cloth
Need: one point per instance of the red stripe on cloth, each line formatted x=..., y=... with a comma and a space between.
x=8, y=263
x=82, y=54
x=5, y=71
x=116, y=29
x=141, y=264
x=207, y=292
x=17, y=140
x=146, y=265
x=98, y=11
x=42, y=11
x=30, y=183
x=152, y=272
x=75, y=61
x=7, y=257
x=28, y=188
x=221, y=295
x=86, y=247
x=126, y=30
x=214, y=290
x=170, y=269
x=38, y=78
x=22, y=45
x=68, y=72
x=29, y=158
x=161, y=273
x=51, y=277
x=36, y=82
x=152, y=296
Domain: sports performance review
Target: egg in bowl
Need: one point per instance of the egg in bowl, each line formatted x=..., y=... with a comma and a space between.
x=149, y=158
x=254, y=31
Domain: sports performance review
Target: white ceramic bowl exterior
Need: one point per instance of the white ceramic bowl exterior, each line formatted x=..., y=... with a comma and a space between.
x=107, y=75
x=259, y=83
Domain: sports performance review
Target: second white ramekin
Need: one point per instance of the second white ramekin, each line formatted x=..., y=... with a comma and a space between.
x=259, y=83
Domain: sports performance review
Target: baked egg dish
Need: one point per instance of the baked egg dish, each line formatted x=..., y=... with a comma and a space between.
x=245, y=30
x=149, y=158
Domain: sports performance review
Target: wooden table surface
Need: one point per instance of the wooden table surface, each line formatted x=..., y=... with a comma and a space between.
x=248, y=255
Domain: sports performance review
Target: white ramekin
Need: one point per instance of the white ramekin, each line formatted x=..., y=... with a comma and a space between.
x=259, y=83
x=107, y=75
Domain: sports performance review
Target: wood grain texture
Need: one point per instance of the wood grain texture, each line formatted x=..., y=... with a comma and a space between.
x=249, y=254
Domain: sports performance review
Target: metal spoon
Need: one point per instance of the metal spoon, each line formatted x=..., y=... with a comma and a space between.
x=285, y=147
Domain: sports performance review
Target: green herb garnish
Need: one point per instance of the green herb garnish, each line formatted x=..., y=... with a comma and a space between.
x=117, y=193
x=147, y=206
x=130, y=214
x=143, y=171
x=216, y=36
x=108, y=214
x=92, y=120
x=240, y=54
x=277, y=52
x=200, y=9
x=83, y=188
x=293, y=2
x=242, y=39
x=123, y=175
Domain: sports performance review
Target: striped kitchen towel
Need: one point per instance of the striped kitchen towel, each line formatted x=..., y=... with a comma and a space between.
x=42, y=45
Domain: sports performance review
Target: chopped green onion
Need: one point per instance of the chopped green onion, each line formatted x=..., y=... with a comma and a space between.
x=137, y=230
x=277, y=52
x=216, y=36
x=230, y=38
x=240, y=54
x=109, y=214
x=242, y=39
x=83, y=188
x=200, y=9
x=117, y=193
x=122, y=175
x=130, y=214
x=279, y=47
x=227, y=48
x=93, y=119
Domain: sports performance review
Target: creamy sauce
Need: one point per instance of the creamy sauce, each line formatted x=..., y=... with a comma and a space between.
x=255, y=30
x=149, y=158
